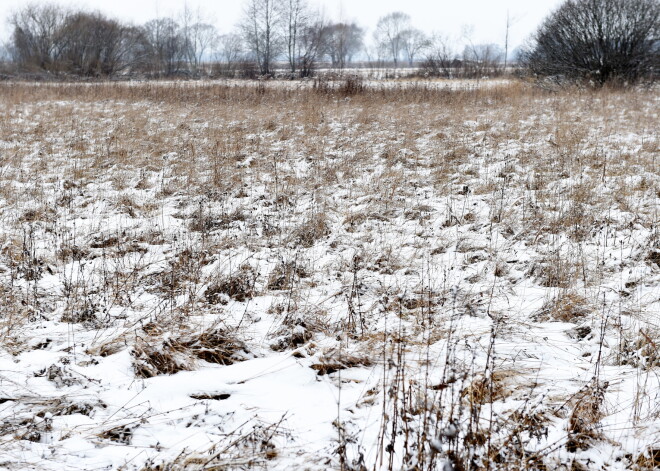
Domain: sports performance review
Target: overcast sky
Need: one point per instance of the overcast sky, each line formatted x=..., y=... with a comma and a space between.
x=486, y=18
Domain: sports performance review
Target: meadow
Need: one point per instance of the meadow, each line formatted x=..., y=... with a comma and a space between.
x=352, y=274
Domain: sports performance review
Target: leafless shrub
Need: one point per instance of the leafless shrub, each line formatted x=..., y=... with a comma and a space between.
x=598, y=40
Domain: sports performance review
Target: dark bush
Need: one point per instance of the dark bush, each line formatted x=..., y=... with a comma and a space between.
x=599, y=41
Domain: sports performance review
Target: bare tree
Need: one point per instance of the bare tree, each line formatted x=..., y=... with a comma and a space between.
x=296, y=18
x=186, y=19
x=5, y=54
x=413, y=43
x=202, y=38
x=167, y=46
x=482, y=59
x=304, y=35
x=506, y=39
x=95, y=44
x=341, y=41
x=598, y=40
x=440, y=59
x=48, y=37
x=198, y=37
x=261, y=26
x=134, y=50
x=389, y=34
x=36, y=39
x=230, y=51
x=312, y=42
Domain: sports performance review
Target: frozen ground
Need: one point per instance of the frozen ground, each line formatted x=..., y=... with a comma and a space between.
x=214, y=277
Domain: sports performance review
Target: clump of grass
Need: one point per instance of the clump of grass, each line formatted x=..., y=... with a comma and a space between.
x=299, y=327
x=566, y=307
x=69, y=406
x=40, y=214
x=165, y=358
x=639, y=349
x=128, y=205
x=653, y=257
x=122, y=434
x=388, y=261
x=482, y=390
x=350, y=85
x=153, y=356
x=203, y=220
x=33, y=429
x=554, y=271
x=585, y=416
x=255, y=447
x=183, y=269
x=216, y=346
x=238, y=286
x=335, y=360
x=86, y=312
x=310, y=231
x=283, y=276
x=648, y=461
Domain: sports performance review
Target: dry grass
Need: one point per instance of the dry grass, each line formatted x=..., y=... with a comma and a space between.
x=381, y=228
x=566, y=307
x=154, y=355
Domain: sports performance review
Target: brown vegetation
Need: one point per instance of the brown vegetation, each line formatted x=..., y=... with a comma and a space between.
x=440, y=233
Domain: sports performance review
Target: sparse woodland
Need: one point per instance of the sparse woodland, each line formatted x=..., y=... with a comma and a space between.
x=354, y=275
x=594, y=42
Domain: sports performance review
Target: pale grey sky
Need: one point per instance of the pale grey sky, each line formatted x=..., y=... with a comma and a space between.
x=487, y=18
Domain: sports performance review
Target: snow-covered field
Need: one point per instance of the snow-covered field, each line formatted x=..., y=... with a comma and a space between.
x=329, y=80
x=228, y=277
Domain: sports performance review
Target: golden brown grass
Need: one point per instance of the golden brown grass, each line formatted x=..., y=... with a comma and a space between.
x=379, y=194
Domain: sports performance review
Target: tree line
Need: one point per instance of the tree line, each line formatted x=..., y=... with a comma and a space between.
x=54, y=39
x=597, y=40
x=287, y=35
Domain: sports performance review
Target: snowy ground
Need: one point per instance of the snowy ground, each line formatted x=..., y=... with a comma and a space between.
x=332, y=80
x=218, y=277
